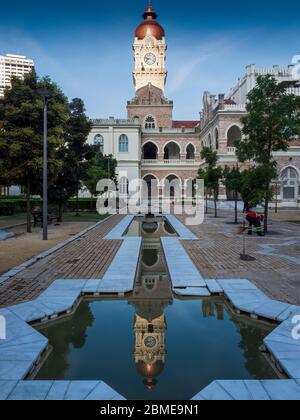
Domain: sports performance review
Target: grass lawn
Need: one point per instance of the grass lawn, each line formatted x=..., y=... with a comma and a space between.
x=297, y=222
x=68, y=217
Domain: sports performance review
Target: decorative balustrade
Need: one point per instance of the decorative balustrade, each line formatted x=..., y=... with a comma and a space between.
x=293, y=91
x=239, y=107
x=183, y=162
x=114, y=121
x=274, y=71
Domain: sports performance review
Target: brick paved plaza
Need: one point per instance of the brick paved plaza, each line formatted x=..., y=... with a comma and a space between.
x=216, y=254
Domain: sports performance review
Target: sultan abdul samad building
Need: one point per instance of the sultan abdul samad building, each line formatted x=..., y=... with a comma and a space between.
x=151, y=145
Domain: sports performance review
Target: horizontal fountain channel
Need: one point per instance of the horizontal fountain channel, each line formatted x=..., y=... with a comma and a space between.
x=151, y=344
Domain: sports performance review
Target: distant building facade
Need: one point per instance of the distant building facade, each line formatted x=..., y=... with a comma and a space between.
x=13, y=66
x=221, y=127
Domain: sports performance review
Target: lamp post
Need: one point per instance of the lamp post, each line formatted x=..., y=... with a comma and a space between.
x=45, y=94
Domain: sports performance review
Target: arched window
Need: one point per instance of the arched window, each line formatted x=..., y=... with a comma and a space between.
x=99, y=141
x=123, y=144
x=150, y=123
x=172, y=151
x=290, y=182
x=217, y=138
x=123, y=185
x=209, y=141
x=150, y=151
x=190, y=152
x=234, y=134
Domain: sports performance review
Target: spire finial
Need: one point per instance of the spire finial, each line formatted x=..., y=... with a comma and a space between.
x=150, y=13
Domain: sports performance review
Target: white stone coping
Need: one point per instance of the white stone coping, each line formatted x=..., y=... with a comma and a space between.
x=16, y=270
x=118, y=231
x=268, y=390
x=183, y=273
x=183, y=232
x=24, y=345
x=57, y=391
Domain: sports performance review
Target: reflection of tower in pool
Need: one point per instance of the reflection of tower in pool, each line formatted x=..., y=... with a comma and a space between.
x=150, y=348
x=152, y=294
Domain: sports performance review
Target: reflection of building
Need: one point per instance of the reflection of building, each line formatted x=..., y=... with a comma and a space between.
x=152, y=294
x=152, y=146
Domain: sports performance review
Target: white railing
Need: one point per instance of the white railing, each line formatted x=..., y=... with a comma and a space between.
x=169, y=130
x=293, y=91
x=274, y=71
x=149, y=161
x=240, y=107
x=231, y=150
x=181, y=162
x=114, y=121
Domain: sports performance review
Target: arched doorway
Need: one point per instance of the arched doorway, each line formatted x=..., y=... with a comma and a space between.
x=172, y=187
x=150, y=151
x=190, y=152
x=172, y=151
x=289, y=184
x=234, y=134
x=150, y=187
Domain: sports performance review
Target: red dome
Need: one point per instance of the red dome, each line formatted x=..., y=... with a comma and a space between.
x=150, y=26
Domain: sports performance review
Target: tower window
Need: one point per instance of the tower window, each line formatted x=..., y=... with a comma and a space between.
x=150, y=123
x=123, y=144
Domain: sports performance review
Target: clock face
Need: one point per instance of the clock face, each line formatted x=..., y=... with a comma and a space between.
x=150, y=342
x=150, y=59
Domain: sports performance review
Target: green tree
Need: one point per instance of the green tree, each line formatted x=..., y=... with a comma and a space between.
x=273, y=119
x=78, y=129
x=64, y=186
x=211, y=175
x=21, y=133
x=253, y=185
x=75, y=154
x=233, y=180
x=99, y=167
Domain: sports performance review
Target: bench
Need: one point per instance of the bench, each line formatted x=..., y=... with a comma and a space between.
x=38, y=218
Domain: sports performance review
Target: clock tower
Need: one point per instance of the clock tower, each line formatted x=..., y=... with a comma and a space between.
x=149, y=104
x=150, y=52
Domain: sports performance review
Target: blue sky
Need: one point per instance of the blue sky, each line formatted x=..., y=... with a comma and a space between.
x=86, y=46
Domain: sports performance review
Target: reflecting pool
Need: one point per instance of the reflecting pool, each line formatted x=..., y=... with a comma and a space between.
x=152, y=345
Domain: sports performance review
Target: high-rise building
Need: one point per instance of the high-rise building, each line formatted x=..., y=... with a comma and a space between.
x=13, y=65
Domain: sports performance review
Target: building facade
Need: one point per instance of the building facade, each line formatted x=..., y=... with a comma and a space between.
x=221, y=127
x=152, y=146
x=13, y=66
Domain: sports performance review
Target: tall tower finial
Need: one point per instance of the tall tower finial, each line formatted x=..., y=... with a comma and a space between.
x=150, y=13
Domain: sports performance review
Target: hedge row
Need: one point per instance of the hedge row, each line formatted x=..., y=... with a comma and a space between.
x=12, y=205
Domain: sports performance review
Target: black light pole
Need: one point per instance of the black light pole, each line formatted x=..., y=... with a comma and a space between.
x=45, y=94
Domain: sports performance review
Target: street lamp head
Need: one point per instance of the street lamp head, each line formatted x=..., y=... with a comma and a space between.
x=44, y=92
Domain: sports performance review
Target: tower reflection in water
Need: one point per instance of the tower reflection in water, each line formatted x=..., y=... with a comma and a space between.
x=152, y=294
